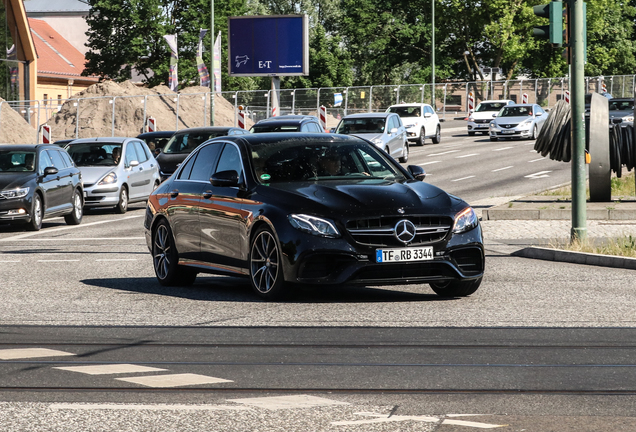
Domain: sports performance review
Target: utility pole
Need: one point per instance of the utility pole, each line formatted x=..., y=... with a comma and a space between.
x=576, y=20
x=212, y=77
x=433, y=54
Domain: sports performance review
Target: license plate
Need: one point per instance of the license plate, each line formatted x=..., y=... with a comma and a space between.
x=423, y=253
x=481, y=127
x=507, y=132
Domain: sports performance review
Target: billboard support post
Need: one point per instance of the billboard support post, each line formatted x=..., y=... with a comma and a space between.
x=275, y=96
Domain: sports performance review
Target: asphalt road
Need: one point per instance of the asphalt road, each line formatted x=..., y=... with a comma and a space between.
x=90, y=341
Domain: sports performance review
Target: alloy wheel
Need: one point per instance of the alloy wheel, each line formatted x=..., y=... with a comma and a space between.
x=264, y=262
x=161, y=252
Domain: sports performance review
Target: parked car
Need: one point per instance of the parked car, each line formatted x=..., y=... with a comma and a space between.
x=621, y=111
x=184, y=141
x=288, y=123
x=479, y=120
x=116, y=171
x=518, y=121
x=39, y=182
x=156, y=140
x=314, y=209
x=420, y=121
x=385, y=130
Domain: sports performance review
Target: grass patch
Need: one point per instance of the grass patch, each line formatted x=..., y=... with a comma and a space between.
x=621, y=188
x=618, y=246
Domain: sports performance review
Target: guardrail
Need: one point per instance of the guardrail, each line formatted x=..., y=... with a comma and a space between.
x=451, y=98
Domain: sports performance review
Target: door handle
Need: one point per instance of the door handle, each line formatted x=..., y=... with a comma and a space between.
x=174, y=193
x=207, y=194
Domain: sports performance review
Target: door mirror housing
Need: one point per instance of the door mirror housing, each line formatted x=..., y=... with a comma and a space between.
x=428, y=115
x=394, y=130
x=417, y=172
x=228, y=178
x=133, y=164
x=50, y=171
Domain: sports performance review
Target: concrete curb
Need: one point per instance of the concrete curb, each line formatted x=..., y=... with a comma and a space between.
x=549, y=254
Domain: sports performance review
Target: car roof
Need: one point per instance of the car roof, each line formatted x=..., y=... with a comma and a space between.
x=409, y=104
x=288, y=119
x=519, y=105
x=204, y=129
x=119, y=140
x=368, y=115
x=278, y=137
x=497, y=100
x=157, y=134
x=25, y=147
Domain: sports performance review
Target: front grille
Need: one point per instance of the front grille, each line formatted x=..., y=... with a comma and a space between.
x=509, y=126
x=469, y=260
x=87, y=185
x=381, y=231
x=617, y=120
x=93, y=198
x=482, y=121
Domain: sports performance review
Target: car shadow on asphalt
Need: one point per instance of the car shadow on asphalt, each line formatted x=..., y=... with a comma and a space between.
x=232, y=289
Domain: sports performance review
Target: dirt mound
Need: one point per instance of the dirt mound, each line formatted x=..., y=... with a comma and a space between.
x=125, y=102
x=14, y=129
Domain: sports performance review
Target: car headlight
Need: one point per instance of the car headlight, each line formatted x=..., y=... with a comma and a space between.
x=628, y=119
x=471, y=118
x=465, y=221
x=15, y=193
x=525, y=122
x=109, y=178
x=377, y=141
x=314, y=225
x=493, y=124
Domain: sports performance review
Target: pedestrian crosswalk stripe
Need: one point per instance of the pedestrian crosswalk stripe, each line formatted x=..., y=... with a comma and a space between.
x=175, y=380
x=109, y=369
x=287, y=402
x=27, y=353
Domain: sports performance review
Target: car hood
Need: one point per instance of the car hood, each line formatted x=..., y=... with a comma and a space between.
x=369, y=136
x=512, y=120
x=168, y=163
x=483, y=115
x=359, y=197
x=629, y=113
x=15, y=180
x=411, y=120
x=92, y=174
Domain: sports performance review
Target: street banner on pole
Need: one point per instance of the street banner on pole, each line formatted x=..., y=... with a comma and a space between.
x=173, y=82
x=216, y=63
x=204, y=76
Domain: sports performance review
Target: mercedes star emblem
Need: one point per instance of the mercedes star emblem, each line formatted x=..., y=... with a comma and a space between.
x=405, y=231
x=401, y=211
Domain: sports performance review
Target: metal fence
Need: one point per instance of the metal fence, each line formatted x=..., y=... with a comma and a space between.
x=451, y=100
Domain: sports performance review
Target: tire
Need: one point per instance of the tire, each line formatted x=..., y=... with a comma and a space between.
x=422, y=139
x=75, y=217
x=405, y=153
x=471, y=133
x=165, y=259
x=122, y=205
x=37, y=213
x=456, y=288
x=438, y=135
x=266, y=273
x=534, y=133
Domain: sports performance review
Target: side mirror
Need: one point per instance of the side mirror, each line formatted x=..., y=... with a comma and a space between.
x=332, y=130
x=428, y=115
x=494, y=115
x=417, y=172
x=471, y=111
x=225, y=179
x=50, y=171
x=133, y=164
x=394, y=130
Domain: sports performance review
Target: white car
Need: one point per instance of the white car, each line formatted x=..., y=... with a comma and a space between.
x=479, y=119
x=385, y=130
x=420, y=121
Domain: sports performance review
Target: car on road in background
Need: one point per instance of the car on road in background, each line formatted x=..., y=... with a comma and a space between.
x=288, y=123
x=621, y=111
x=310, y=209
x=156, y=140
x=39, y=182
x=385, y=130
x=116, y=171
x=420, y=121
x=479, y=119
x=184, y=141
x=518, y=121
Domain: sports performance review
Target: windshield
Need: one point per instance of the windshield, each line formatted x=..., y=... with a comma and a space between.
x=185, y=143
x=17, y=160
x=406, y=111
x=623, y=105
x=274, y=128
x=490, y=106
x=361, y=126
x=95, y=154
x=315, y=161
x=516, y=111
x=156, y=143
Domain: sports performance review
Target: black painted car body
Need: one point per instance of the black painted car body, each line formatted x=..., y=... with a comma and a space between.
x=38, y=182
x=273, y=208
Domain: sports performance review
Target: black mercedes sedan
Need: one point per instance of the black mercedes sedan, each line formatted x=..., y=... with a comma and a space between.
x=37, y=182
x=310, y=209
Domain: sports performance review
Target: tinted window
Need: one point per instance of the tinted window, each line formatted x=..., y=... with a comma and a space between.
x=56, y=157
x=361, y=125
x=142, y=156
x=45, y=161
x=17, y=160
x=230, y=160
x=516, y=111
x=206, y=157
x=406, y=111
x=274, y=127
x=186, y=142
x=67, y=159
x=131, y=154
x=94, y=154
x=184, y=174
x=490, y=106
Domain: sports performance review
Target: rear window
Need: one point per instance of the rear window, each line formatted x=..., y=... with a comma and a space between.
x=274, y=128
x=186, y=142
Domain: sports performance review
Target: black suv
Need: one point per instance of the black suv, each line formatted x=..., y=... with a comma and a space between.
x=38, y=182
x=288, y=123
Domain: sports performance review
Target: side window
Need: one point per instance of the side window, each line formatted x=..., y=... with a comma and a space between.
x=45, y=161
x=56, y=157
x=316, y=127
x=305, y=128
x=142, y=156
x=206, y=157
x=67, y=159
x=131, y=154
x=184, y=174
x=230, y=160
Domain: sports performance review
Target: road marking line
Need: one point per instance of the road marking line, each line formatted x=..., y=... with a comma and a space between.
x=60, y=260
x=429, y=163
x=109, y=369
x=47, y=231
x=80, y=239
x=504, y=168
x=468, y=155
x=443, y=153
x=383, y=418
x=24, y=353
x=175, y=380
x=117, y=259
x=287, y=402
x=540, y=174
x=8, y=261
x=146, y=407
x=463, y=178
x=536, y=160
x=503, y=148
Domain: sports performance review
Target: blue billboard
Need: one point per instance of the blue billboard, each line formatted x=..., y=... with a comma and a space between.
x=269, y=45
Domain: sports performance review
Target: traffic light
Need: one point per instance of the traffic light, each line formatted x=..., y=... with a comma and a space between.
x=554, y=31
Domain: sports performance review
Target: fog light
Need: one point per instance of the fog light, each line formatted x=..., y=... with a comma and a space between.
x=16, y=212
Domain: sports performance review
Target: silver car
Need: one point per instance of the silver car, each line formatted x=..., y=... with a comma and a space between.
x=518, y=121
x=385, y=130
x=116, y=171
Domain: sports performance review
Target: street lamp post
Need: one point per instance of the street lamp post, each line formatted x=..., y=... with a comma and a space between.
x=433, y=54
x=212, y=77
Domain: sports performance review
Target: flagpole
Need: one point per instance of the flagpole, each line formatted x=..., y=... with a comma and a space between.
x=212, y=76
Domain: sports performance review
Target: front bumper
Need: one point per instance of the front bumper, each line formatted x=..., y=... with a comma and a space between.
x=514, y=133
x=478, y=126
x=17, y=209
x=101, y=195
